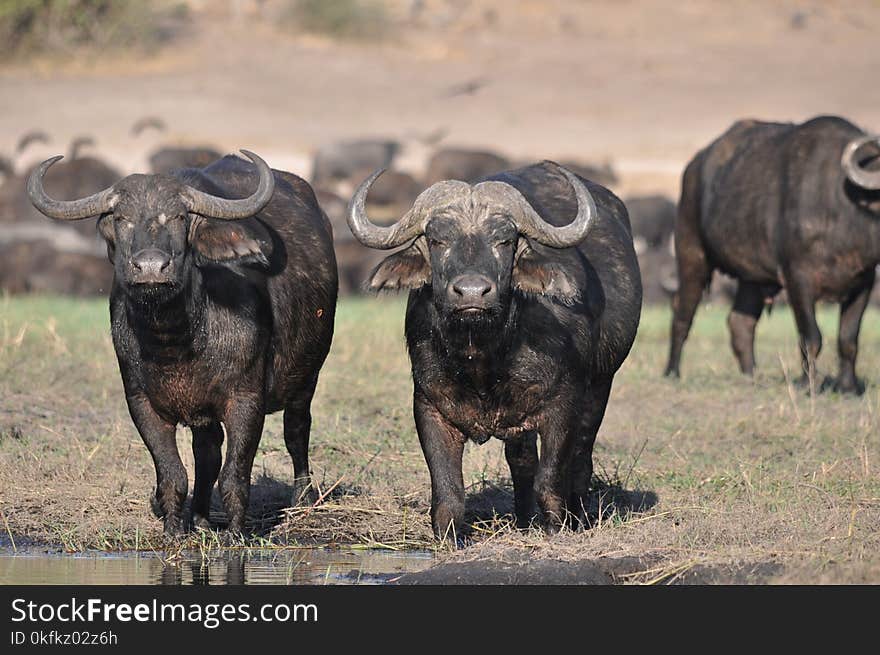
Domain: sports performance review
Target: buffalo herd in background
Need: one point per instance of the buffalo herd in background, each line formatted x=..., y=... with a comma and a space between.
x=39, y=256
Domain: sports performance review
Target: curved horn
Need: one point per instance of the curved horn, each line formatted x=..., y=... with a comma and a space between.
x=66, y=210
x=205, y=204
x=850, y=161
x=535, y=227
x=375, y=236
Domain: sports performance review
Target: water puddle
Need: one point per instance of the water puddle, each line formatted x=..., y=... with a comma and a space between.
x=314, y=566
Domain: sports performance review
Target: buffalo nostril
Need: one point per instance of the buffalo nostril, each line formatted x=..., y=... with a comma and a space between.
x=151, y=261
x=472, y=287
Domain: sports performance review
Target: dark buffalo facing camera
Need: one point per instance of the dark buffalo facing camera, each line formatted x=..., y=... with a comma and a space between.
x=782, y=206
x=221, y=311
x=518, y=317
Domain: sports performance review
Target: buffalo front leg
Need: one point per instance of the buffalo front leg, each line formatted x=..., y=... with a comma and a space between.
x=557, y=441
x=206, y=452
x=851, y=312
x=581, y=467
x=244, y=427
x=442, y=445
x=522, y=458
x=171, y=482
x=297, y=427
x=747, y=307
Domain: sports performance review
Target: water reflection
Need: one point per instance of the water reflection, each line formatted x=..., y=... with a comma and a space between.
x=252, y=567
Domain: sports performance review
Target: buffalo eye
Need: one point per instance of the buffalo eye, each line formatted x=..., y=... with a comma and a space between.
x=436, y=243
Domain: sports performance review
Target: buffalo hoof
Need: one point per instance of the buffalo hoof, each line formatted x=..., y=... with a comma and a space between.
x=847, y=386
x=304, y=494
x=803, y=382
x=671, y=372
x=173, y=527
x=200, y=522
x=447, y=522
x=158, y=511
x=525, y=522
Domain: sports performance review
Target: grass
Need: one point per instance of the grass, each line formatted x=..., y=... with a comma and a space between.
x=61, y=27
x=711, y=472
x=340, y=19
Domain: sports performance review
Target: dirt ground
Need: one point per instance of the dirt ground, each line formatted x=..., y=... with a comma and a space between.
x=642, y=84
x=711, y=479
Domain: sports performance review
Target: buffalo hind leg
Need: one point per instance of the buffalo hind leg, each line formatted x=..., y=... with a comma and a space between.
x=851, y=312
x=803, y=305
x=694, y=270
x=244, y=427
x=581, y=466
x=171, y=481
x=297, y=428
x=206, y=452
x=443, y=446
x=747, y=307
x=522, y=458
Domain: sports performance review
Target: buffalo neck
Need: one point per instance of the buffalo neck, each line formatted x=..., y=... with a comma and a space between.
x=170, y=329
x=476, y=354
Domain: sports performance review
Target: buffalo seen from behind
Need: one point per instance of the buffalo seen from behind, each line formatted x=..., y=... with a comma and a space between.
x=222, y=310
x=782, y=206
x=517, y=320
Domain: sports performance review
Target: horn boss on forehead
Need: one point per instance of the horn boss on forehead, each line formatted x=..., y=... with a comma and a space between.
x=412, y=224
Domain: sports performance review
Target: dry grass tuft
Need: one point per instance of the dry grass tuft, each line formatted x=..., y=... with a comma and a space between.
x=714, y=478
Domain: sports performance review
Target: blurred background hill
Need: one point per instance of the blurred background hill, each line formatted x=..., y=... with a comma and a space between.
x=641, y=84
x=630, y=88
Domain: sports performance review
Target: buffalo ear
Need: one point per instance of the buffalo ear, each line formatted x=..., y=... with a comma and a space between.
x=230, y=242
x=407, y=269
x=106, y=230
x=534, y=273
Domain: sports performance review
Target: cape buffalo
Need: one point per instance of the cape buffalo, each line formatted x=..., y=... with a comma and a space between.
x=50, y=257
x=221, y=311
x=463, y=164
x=170, y=158
x=518, y=317
x=341, y=161
x=781, y=205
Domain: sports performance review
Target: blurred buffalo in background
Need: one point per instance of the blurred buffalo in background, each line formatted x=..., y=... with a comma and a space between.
x=464, y=165
x=354, y=261
x=652, y=219
x=171, y=157
x=603, y=174
x=167, y=159
x=36, y=256
x=341, y=162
